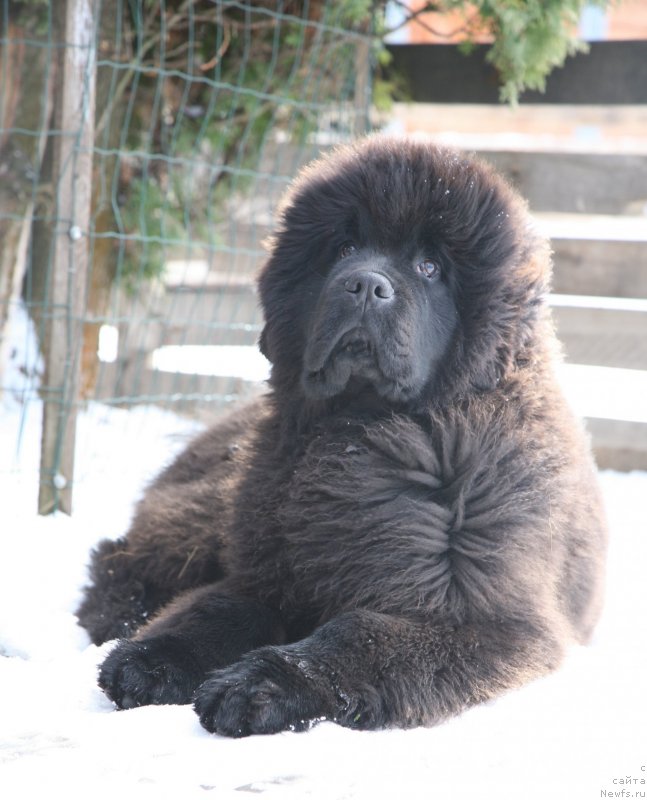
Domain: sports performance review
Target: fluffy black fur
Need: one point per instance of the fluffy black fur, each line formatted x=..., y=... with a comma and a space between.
x=409, y=523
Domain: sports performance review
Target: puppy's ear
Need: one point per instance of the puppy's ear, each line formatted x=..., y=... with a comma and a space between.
x=263, y=344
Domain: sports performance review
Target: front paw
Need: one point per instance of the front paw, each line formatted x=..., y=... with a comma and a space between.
x=156, y=671
x=266, y=692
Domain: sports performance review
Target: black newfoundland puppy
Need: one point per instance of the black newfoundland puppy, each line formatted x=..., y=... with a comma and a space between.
x=409, y=523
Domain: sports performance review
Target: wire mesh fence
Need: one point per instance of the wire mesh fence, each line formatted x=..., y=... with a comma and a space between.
x=144, y=147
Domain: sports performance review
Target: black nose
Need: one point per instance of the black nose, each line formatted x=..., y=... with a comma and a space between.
x=369, y=287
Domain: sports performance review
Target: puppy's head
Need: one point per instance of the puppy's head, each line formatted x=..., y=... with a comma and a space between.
x=400, y=270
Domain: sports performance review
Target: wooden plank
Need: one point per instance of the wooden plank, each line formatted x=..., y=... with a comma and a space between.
x=64, y=314
x=609, y=337
x=227, y=314
x=597, y=254
x=605, y=392
x=547, y=128
x=199, y=275
x=605, y=269
x=485, y=129
x=618, y=444
x=593, y=227
x=580, y=183
x=133, y=382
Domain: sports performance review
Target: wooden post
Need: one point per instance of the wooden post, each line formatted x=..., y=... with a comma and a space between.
x=65, y=306
x=362, y=99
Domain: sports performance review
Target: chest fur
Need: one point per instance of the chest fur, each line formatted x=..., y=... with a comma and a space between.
x=392, y=520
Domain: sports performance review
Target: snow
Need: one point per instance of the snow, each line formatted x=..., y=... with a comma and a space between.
x=230, y=360
x=574, y=734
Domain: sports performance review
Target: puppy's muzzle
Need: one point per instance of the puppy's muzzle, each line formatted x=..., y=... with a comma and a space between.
x=369, y=289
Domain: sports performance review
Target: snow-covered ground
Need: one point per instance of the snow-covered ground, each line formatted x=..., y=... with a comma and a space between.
x=576, y=734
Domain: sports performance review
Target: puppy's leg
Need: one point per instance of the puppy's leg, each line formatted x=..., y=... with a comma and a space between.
x=368, y=670
x=171, y=656
x=176, y=538
x=174, y=544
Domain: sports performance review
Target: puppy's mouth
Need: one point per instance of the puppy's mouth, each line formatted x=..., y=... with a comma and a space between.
x=353, y=356
x=354, y=344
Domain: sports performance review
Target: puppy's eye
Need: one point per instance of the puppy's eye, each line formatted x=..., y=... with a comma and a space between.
x=428, y=268
x=347, y=249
